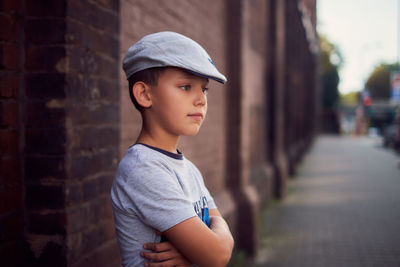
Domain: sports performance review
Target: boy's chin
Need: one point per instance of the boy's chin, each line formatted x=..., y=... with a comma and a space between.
x=192, y=133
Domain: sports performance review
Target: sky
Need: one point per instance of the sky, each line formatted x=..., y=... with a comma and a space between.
x=366, y=33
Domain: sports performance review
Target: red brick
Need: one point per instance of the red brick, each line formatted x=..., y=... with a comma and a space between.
x=40, y=197
x=111, y=5
x=94, y=114
x=42, y=115
x=11, y=253
x=52, y=254
x=45, y=8
x=9, y=55
x=45, y=167
x=92, y=138
x=97, y=17
x=45, y=85
x=8, y=29
x=47, y=142
x=11, y=227
x=9, y=114
x=47, y=223
x=93, y=237
x=8, y=142
x=92, y=88
x=105, y=255
x=10, y=7
x=88, y=57
x=95, y=187
x=45, y=58
x=86, y=165
x=77, y=219
x=73, y=195
x=97, y=210
x=8, y=85
x=10, y=200
x=107, y=89
x=10, y=172
x=108, y=209
x=45, y=31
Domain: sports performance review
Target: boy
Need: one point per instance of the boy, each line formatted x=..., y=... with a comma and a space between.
x=160, y=203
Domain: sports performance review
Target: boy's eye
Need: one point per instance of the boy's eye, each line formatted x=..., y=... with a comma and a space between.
x=185, y=87
x=205, y=90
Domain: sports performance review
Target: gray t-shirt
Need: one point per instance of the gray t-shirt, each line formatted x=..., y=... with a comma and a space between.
x=154, y=190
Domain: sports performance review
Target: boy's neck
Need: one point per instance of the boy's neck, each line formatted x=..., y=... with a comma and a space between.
x=167, y=143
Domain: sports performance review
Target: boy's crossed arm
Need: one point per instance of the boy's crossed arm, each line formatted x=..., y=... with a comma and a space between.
x=193, y=242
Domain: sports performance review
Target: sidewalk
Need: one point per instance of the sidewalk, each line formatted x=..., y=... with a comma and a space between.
x=342, y=209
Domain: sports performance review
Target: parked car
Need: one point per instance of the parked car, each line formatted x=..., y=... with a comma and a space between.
x=390, y=137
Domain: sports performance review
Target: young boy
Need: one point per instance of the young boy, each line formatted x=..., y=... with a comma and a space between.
x=164, y=214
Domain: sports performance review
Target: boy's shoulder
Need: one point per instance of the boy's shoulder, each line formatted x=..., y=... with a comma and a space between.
x=140, y=158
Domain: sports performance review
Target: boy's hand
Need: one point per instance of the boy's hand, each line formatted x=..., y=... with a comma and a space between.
x=163, y=254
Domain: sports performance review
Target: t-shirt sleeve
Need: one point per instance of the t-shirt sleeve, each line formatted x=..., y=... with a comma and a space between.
x=210, y=199
x=204, y=190
x=155, y=196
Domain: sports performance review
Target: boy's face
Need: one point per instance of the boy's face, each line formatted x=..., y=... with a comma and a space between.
x=179, y=102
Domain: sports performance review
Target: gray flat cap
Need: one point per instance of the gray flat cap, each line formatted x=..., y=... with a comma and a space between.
x=170, y=49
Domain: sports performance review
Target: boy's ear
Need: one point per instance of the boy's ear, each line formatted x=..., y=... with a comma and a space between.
x=141, y=92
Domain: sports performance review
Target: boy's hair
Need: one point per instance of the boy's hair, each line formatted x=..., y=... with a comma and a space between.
x=148, y=76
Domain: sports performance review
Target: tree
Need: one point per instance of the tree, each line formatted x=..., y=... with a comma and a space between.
x=378, y=82
x=330, y=62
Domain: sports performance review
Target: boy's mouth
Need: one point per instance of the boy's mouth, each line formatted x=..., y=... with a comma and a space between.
x=196, y=116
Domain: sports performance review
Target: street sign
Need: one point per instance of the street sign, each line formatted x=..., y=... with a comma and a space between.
x=395, y=86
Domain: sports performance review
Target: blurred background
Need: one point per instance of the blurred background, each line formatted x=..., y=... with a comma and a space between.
x=297, y=70
x=360, y=57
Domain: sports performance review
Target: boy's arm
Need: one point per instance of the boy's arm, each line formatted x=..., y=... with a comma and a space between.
x=199, y=244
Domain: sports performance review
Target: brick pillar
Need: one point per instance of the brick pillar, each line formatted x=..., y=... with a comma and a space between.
x=68, y=131
x=246, y=197
x=45, y=134
x=279, y=154
x=270, y=88
x=295, y=50
x=92, y=105
x=255, y=100
x=11, y=132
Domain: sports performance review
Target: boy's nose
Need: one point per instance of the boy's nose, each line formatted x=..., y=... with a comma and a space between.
x=200, y=98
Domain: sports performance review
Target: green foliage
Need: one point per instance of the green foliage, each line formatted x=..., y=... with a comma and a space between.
x=331, y=60
x=378, y=82
x=350, y=98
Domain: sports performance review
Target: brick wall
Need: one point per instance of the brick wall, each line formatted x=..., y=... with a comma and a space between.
x=300, y=73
